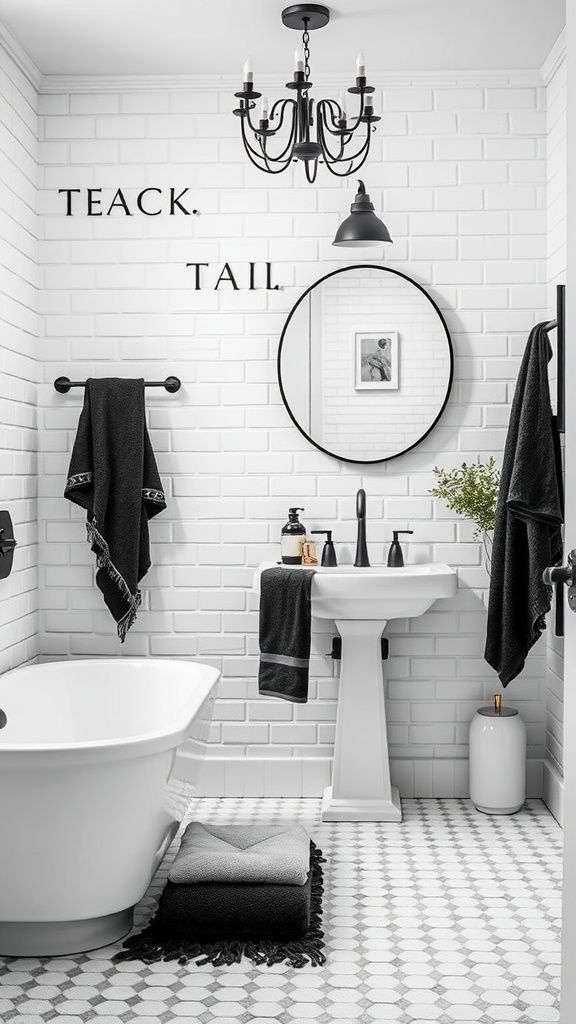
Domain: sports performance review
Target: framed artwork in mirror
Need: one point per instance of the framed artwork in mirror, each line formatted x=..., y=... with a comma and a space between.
x=376, y=360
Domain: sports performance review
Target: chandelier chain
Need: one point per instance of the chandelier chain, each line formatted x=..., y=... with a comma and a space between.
x=305, y=41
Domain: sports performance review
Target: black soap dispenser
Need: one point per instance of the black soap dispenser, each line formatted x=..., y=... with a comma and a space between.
x=293, y=535
x=328, y=551
x=395, y=556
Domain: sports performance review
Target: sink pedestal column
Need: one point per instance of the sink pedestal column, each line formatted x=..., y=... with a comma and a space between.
x=361, y=789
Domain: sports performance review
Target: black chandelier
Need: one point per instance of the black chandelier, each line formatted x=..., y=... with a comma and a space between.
x=340, y=141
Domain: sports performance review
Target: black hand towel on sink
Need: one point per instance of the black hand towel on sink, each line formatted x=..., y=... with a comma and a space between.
x=113, y=475
x=527, y=533
x=285, y=624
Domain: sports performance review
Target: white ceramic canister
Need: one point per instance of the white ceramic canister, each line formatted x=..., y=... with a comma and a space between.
x=497, y=759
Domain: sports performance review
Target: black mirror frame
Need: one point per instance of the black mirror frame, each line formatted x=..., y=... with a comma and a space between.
x=333, y=273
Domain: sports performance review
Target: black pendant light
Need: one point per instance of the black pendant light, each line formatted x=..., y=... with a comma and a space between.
x=362, y=227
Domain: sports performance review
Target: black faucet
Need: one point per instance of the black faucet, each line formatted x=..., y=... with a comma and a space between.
x=361, y=549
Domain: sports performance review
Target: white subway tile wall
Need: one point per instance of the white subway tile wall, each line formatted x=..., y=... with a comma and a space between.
x=458, y=172
x=18, y=354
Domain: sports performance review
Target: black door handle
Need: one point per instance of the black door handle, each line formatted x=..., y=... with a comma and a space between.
x=558, y=574
x=562, y=573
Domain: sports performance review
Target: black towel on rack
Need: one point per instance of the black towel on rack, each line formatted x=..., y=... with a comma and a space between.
x=527, y=533
x=113, y=475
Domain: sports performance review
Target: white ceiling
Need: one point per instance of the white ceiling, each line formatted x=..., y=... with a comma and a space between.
x=165, y=37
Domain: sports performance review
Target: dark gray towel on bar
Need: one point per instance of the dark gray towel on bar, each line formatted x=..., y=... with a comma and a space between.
x=285, y=625
x=527, y=533
x=113, y=475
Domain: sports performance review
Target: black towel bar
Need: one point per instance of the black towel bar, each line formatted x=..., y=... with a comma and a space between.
x=172, y=384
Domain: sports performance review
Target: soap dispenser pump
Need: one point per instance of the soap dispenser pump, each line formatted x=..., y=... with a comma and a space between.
x=328, y=551
x=395, y=556
x=293, y=535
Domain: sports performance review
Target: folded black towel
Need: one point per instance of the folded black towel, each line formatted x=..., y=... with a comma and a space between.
x=235, y=910
x=113, y=475
x=285, y=624
x=527, y=533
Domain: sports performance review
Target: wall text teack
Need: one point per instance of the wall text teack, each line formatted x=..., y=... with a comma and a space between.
x=161, y=200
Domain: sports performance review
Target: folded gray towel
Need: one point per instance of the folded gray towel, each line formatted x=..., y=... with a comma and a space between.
x=242, y=853
x=285, y=626
x=527, y=532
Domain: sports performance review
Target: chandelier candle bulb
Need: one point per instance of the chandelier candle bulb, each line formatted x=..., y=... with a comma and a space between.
x=342, y=105
x=248, y=70
x=298, y=59
x=360, y=65
x=264, y=108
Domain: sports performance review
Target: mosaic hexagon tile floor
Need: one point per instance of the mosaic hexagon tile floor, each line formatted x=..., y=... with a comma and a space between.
x=450, y=916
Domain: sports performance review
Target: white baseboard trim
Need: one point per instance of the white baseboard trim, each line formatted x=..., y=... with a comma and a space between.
x=553, y=791
x=308, y=777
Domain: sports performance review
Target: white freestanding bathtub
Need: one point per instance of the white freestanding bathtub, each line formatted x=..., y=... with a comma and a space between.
x=92, y=792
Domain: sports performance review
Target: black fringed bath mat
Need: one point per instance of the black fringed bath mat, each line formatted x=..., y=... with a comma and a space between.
x=156, y=943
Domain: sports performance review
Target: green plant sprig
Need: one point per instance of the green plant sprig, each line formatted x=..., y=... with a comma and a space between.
x=472, y=491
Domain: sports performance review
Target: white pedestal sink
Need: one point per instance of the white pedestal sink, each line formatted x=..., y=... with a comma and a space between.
x=361, y=601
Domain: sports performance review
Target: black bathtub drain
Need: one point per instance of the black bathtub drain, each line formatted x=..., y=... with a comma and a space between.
x=3, y=719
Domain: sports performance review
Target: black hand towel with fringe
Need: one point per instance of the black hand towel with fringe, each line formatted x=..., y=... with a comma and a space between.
x=113, y=475
x=527, y=533
x=285, y=627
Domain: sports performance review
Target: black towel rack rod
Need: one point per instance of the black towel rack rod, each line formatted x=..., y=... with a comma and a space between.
x=172, y=384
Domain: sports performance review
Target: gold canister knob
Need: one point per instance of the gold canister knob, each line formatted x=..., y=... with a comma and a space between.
x=497, y=703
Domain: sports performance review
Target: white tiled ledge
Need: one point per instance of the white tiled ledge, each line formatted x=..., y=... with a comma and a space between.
x=307, y=777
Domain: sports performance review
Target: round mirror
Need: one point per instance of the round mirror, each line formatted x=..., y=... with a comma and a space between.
x=365, y=364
